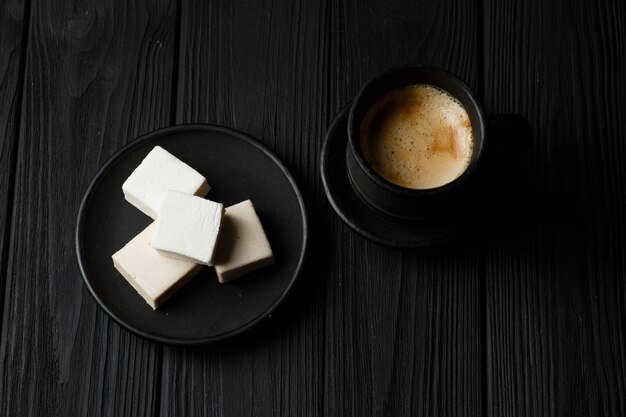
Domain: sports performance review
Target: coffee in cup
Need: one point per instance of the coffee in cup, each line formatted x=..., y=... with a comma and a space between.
x=417, y=136
x=440, y=171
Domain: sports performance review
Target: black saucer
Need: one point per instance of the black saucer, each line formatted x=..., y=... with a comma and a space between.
x=365, y=219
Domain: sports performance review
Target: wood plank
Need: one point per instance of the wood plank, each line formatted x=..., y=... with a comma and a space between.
x=555, y=293
x=258, y=67
x=402, y=327
x=13, y=23
x=255, y=68
x=98, y=75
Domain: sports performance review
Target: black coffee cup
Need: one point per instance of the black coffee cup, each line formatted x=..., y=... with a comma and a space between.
x=495, y=139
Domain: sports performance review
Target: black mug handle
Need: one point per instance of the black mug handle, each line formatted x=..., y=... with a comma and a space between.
x=508, y=136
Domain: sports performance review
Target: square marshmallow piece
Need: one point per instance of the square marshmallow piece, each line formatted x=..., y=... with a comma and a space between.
x=188, y=227
x=243, y=245
x=154, y=276
x=160, y=171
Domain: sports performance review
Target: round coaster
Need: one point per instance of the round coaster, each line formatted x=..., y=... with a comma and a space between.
x=365, y=219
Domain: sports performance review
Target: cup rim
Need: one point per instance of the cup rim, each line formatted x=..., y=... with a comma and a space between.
x=412, y=192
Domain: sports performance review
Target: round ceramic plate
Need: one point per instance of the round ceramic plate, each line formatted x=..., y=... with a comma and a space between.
x=237, y=168
x=364, y=218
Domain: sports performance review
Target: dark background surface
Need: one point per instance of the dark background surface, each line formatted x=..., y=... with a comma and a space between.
x=526, y=319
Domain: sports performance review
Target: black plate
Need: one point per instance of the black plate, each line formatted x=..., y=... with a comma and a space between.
x=237, y=168
x=361, y=216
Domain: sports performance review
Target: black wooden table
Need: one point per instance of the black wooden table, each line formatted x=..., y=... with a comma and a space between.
x=527, y=321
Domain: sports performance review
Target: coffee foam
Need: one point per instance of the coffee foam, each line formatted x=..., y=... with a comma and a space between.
x=417, y=137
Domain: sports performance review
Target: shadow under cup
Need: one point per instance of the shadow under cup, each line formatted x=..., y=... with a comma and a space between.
x=386, y=196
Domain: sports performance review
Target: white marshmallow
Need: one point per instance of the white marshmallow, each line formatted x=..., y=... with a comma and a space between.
x=154, y=276
x=243, y=245
x=188, y=227
x=160, y=171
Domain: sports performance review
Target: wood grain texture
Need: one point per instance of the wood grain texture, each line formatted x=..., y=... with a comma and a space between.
x=402, y=327
x=13, y=25
x=527, y=320
x=258, y=67
x=98, y=75
x=555, y=293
